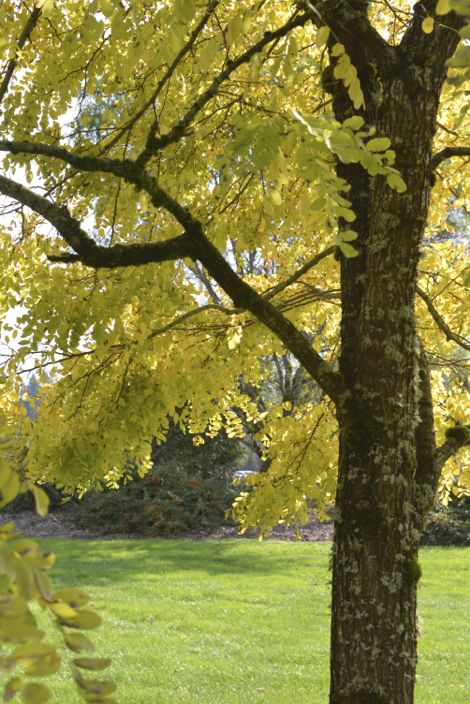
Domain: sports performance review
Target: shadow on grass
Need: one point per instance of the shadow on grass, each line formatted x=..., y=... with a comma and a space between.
x=115, y=561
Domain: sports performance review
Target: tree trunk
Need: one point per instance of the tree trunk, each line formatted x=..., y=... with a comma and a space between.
x=386, y=474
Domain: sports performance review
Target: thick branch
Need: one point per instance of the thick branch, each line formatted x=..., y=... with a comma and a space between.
x=24, y=36
x=86, y=250
x=440, y=322
x=457, y=438
x=429, y=459
x=77, y=161
x=448, y=153
x=416, y=45
x=350, y=25
x=125, y=169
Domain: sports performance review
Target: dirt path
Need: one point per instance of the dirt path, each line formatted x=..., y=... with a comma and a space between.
x=60, y=524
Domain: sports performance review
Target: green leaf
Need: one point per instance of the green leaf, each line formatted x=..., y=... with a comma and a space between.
x=396, y=182
x=378, y=144
x=78, y=642
x=348, y=235
x=343, y=143
x=461, y=58
x=35, y=693
x=356, y=94
x=355, y=122
x=92, y=663
x=443, y=7
x=348, y=250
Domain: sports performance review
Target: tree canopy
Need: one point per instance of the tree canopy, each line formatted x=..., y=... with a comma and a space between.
x=215, y=130
x=191, y=188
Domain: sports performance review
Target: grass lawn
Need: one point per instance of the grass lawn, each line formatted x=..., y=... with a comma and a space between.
x=240, y=622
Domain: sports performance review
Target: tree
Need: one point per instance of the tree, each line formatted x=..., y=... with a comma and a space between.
x=299, y=130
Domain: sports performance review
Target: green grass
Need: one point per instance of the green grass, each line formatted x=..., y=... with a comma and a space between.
x=240, y=622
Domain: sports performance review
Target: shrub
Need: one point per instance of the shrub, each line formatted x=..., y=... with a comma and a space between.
x=189, y=488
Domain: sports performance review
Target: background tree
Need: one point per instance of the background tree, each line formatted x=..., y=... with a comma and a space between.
x=289, y=128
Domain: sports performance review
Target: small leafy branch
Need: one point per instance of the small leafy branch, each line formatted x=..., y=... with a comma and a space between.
x=26, y=657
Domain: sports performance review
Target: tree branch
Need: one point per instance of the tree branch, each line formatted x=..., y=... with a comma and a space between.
x=457, y=437
x=429, y=459
x=271, y=292
x=440, y=322
x=126, y=169
x=448, y=153
x=244, y=296
x=351, y=26
x=154, y=143
x=77, y=161
x=195, y=245
x=23, y=38
x=166, y=77
x=86, y=250
x=440, y=44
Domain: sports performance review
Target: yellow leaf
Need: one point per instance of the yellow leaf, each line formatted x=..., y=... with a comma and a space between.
x=275, y=196
x=73, y=597
x=443, y=7
x=47, y=8
x=83, y=619
x=10, y=490
x=63, y=610
x=348, y=250
x=427, y=25
x=26, y=654
x=378, y=144
x=322, y=36
x=42, y=500
x=337, y=50
x=234, y=339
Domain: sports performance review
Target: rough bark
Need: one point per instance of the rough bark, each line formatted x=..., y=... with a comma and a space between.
x=387, y=471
